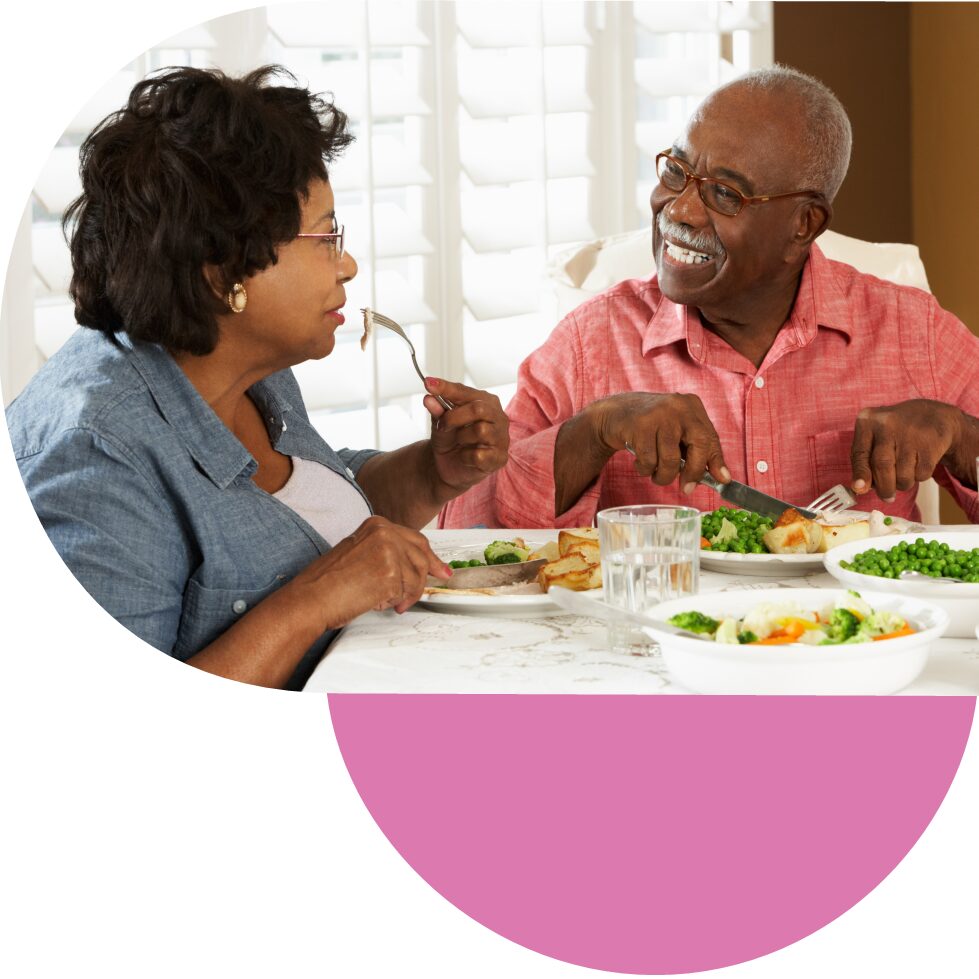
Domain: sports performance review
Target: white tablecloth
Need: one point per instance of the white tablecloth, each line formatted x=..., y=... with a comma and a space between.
x=423, y=651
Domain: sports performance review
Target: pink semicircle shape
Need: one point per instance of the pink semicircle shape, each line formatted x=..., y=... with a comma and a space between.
x=652, y=835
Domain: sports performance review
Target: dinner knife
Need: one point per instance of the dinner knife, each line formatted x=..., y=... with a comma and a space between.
x=490, y=575
x=744, y=497
x=747, y=498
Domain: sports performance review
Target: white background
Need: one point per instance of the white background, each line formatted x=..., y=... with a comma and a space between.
x=160, y=822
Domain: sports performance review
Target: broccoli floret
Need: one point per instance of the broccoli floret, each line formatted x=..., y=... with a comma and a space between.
x=746, y=637
x=842, y=625
x=474, y=563
x=694, y=622
x=880, y=623
x=505, y=552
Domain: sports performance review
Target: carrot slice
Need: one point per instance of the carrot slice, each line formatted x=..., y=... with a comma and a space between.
x=906, y=631
x=704, y=542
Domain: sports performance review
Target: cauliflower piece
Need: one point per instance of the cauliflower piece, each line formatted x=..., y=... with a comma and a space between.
x=727, y=631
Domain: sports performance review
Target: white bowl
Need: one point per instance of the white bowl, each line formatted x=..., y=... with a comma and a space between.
x=865, y=668
x=960, y=600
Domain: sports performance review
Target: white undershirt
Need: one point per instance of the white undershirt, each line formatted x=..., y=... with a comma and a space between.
x=324, y=499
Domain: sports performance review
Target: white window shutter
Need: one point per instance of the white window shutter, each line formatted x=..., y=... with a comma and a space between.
x=489, y=137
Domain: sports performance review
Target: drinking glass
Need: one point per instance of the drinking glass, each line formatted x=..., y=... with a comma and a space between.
x=649, y=553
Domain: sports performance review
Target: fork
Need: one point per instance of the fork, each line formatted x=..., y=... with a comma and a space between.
x=390, y=324
x=835, y=500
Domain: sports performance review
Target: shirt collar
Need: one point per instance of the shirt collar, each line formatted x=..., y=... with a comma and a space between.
x=209, y=441
x=819, y=302
x=827, y=304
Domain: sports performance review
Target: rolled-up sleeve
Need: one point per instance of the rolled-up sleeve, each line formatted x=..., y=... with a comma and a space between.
x=549, y=391
x=110, y=527
x=353, y=459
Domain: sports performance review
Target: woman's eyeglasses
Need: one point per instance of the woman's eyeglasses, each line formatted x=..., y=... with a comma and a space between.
x=674, y=175
x=333, y=238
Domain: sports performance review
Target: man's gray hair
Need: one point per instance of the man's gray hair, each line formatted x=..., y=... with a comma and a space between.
x=828, y=135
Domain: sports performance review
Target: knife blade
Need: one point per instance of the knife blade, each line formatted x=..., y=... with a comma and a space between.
x=490, y=575
x=747, y=498
x=744, y=496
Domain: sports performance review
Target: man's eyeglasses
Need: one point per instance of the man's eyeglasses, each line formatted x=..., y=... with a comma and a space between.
x=334, y=238
x=674, y=175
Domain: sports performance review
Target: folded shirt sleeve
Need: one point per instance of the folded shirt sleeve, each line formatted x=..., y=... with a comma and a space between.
x=550, y=390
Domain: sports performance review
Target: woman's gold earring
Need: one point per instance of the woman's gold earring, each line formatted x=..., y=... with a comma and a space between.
x=237, y=298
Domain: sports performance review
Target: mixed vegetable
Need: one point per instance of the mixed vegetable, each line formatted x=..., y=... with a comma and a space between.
x=937, y=560
x=849, y=620
x=727, y=529
x=497, y=552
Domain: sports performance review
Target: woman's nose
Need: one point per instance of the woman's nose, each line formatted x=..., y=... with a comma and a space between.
x=347, y=268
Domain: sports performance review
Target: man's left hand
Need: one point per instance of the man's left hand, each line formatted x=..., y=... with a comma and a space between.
x=896, y=446
x=470, y=441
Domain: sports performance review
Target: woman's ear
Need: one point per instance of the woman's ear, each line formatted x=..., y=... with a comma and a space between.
x=214, y=278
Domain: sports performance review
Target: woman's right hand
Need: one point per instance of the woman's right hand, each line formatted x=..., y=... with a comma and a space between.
x=380, y=565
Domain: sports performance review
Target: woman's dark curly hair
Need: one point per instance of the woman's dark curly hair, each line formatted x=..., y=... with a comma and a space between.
x=197, y=169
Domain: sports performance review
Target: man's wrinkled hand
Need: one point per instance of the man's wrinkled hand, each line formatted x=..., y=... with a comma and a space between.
x=471, y=440
x=897, y=446
x=667, y=433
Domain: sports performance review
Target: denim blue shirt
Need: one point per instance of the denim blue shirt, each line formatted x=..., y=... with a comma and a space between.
x=148, y=496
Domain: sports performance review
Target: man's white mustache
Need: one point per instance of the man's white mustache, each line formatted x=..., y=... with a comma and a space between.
x=700, y=241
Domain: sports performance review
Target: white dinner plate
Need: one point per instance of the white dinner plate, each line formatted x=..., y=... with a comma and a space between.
x=498, y=604
x=761, y=565
x=512, y=600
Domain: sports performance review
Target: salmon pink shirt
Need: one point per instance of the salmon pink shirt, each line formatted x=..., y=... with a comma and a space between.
x=851, y=341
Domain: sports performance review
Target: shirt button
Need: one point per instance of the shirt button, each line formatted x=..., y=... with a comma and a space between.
x=761, y=466
x=759, y=382
x=239, y=606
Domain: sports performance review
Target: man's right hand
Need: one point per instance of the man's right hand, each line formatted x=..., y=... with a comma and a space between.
x=667, y=432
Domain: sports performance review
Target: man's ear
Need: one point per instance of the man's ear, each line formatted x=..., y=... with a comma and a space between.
x=812, y=219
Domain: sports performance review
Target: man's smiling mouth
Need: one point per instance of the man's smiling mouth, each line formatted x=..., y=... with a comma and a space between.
x=685, y=255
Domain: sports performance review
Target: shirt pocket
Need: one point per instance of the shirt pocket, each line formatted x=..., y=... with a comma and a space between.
x=829, y=456
x=209, y=612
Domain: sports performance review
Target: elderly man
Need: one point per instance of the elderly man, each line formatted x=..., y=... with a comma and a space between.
x=749, y=353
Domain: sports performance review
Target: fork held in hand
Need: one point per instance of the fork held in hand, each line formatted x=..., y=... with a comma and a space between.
x=391, y=325
x=835, y=500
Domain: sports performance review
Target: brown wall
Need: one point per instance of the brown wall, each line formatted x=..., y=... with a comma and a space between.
x=944, y=156
x=908, y=75
x=945, y=150
x=861, y=50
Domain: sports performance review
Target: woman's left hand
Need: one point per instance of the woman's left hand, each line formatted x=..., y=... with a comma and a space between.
x=470, y=441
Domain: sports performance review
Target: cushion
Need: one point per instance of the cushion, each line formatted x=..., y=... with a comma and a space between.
x=586, y=269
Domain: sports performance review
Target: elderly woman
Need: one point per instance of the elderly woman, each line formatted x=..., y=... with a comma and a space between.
x=166, y=448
